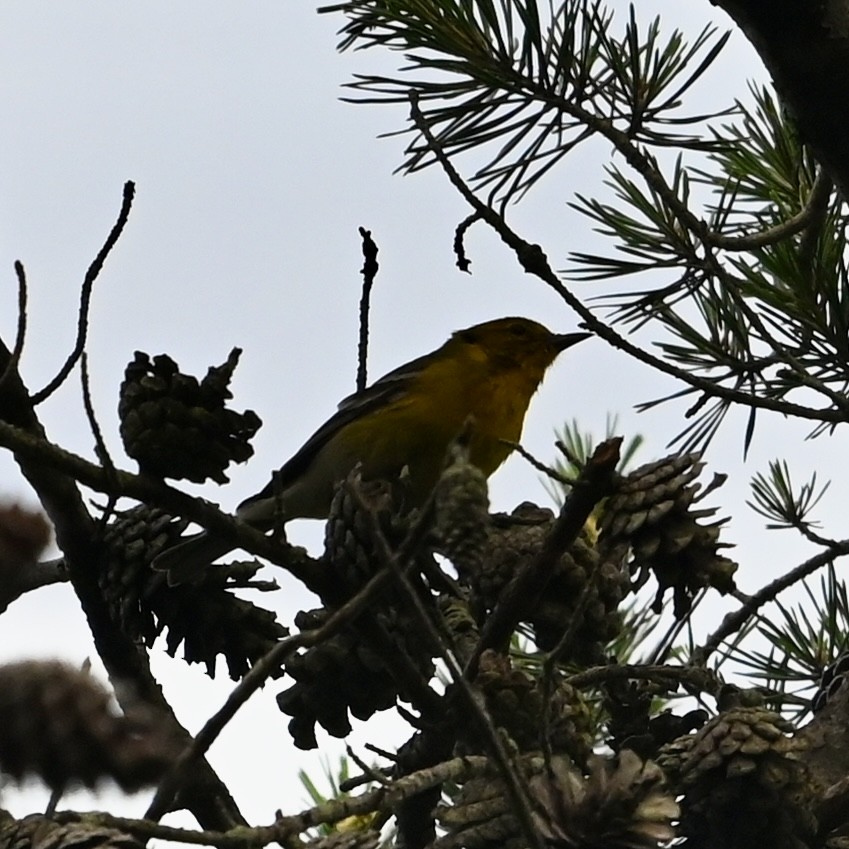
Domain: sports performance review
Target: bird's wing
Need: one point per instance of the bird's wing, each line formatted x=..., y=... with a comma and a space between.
x=382, y=390
x=389, y=388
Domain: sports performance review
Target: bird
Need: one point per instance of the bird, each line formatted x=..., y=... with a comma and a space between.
x=482, y=380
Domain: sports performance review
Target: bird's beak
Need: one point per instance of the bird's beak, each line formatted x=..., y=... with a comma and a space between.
x=562, y=341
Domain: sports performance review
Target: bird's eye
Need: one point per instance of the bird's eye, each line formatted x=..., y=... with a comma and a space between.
x=519, y=330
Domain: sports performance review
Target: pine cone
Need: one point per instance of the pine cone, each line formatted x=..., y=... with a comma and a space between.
x=515, y=539
x=671, y=760
x=352, y=672
x=40, y=832
x=571, y=723
x=622, y=804
x=206, y=619
x=24, y=534
x=529, y=714
x=744, y=784
x=480, y=817
x=130, y=542
x=461, y=519
x=348, y=544
x=177, y=427
x=457, y=616
x=345, y=674
x=652, y=516
x=58, y=724
x=513, y=700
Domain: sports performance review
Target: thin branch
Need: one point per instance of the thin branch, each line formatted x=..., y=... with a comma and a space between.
x=389, y=798
x=20, y=335
x=553, y=474
x=30, y=576
x=645, y=165
x=151, y=491
x=100, y=448
x=819, y=202
x=369, y=272
x=369, y=773
x=798, y=223
x=666, y=643
x=99, y=443
x=737, y=619
x=463, y=262
x=85, y=296
x=533, y=261
x=698, y=678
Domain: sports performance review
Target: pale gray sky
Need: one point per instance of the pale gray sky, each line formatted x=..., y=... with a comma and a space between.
x=252, y=179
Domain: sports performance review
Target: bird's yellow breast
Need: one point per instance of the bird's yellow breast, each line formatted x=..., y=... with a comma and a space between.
x=416, y=429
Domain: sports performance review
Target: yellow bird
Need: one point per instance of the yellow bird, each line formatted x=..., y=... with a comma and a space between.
x=406, y=420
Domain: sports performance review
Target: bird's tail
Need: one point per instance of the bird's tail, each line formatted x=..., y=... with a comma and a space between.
x=186, y=561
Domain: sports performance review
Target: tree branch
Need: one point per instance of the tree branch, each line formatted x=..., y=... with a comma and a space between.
x=735, y=620
x=116, y=482
x=85, y=296
x=79, y=540
x=533, y=261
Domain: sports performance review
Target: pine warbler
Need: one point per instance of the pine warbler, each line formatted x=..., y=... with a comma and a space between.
x=406, y=420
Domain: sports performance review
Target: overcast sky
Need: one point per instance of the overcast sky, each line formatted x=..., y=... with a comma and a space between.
x=252, y=178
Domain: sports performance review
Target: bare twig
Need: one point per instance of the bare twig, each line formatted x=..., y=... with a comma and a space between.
x=17, y=582
x=85, y=296
x=818, y=202
x=100, y=448
x=99, y=443
x=538, y=464
x=463, y=262
x=697, y=678
x=368, y=771
x=369, y=272
x=666, y=643
x=20, y=335
x=735, y=620
x=333, y=810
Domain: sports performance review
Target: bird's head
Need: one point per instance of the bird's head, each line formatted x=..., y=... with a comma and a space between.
x=518, y=343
